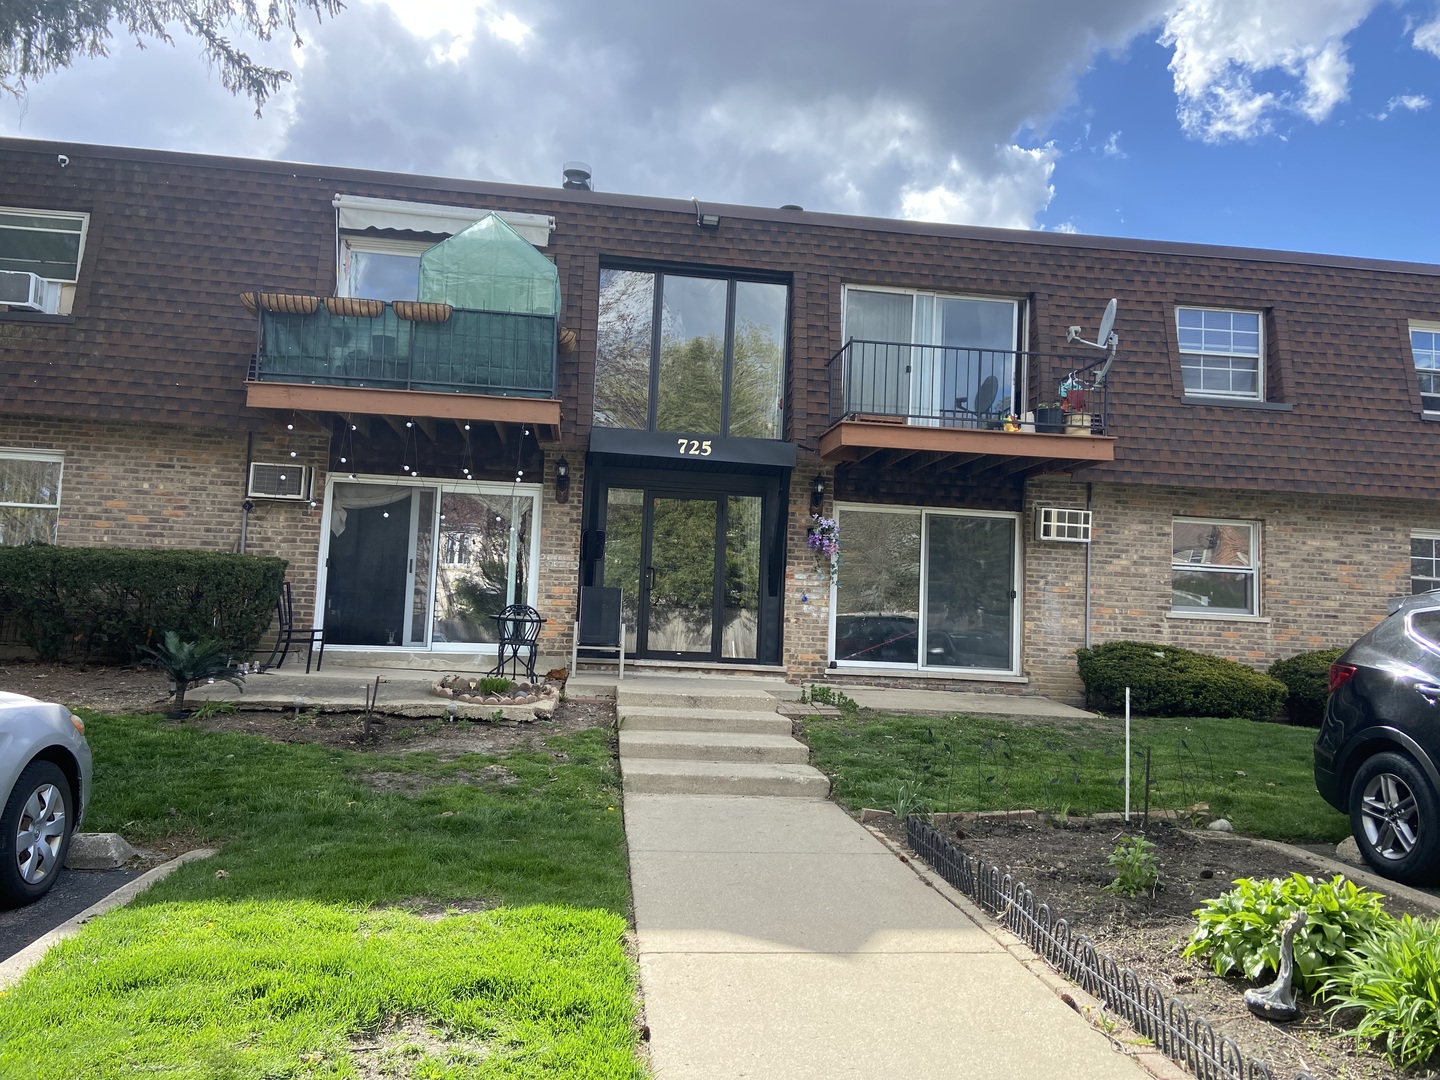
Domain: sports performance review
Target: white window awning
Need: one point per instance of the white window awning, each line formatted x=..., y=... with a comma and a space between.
x=359, y=212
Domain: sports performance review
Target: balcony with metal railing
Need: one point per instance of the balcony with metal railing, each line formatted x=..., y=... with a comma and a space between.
x=990, y=410
x=403, y=359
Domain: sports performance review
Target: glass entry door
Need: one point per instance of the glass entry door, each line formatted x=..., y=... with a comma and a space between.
x=689, y=572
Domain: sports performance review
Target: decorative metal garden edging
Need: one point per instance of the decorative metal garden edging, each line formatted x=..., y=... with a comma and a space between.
x=1189, y=1040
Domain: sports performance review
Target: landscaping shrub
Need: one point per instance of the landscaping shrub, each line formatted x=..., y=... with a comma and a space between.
x=1240, y=930
x=1307, y=680
x=109, y=603
x=1168, y=681
x=1394, y=975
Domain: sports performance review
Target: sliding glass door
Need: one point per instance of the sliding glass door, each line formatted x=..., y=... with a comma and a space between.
x=418, y=566
x=926, y=589
x=935, y=359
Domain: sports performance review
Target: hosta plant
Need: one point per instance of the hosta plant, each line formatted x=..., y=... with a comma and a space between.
x=1394, y=975
x=1239, y=932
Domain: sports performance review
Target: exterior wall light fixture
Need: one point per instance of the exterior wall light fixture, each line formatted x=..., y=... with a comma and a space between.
x=562, y=480
x=817, y=495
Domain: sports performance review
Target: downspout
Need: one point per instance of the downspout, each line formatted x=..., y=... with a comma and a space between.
x=246, y=506
x=1089, y=493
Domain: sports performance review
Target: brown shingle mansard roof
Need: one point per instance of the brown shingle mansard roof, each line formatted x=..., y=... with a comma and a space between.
x=157, y=333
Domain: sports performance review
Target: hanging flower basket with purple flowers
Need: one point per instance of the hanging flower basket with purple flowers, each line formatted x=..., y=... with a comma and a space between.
x=823, y=537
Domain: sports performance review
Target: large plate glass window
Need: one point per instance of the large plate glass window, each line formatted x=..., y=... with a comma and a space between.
x=926, y=589
x=29, y=496
x=691, y=353
x=1425, y=350
x=935, y=359
x=1220, y=352
x=1214, y=567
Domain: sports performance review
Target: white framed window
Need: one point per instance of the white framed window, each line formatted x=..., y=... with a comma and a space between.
x=29, y=496
x=375, y=268
x=1424, y=561
x=47, y=243
x=926, y=589
x=1214, y=567
x=1221, y=352
x=1425, y=350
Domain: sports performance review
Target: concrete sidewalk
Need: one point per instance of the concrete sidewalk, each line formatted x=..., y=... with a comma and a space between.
x=778, y=939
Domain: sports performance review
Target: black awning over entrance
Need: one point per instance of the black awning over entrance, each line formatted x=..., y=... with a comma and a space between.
x=691, y=453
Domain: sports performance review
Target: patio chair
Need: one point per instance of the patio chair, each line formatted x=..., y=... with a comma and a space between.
x=600, y=626
x=519, y=636
x=290, y=634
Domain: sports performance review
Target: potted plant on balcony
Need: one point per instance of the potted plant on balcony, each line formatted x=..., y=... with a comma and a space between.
x=1050, y=419
x=1072, y=402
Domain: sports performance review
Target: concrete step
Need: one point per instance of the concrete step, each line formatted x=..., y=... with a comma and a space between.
x=733, y=721
x=657, y=776
x=728, y=696
x=712, y=746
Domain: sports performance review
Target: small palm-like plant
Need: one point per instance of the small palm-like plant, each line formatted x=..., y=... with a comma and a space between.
x=188, y=662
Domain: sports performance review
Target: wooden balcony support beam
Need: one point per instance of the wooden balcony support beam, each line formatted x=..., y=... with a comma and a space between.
x=541, y=415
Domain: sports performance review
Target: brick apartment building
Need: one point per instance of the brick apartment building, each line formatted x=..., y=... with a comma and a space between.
x=433, y=397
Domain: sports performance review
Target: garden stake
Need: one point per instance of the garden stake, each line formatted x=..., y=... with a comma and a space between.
x=1127, y=755
x=1145, y=821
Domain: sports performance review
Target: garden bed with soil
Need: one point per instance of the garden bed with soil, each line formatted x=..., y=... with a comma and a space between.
x=143, y=690
x=1065, y=866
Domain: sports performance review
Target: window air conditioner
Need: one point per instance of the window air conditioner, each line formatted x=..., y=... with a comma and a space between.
x=22, y=291
x=291, y=482
x=1061, y=524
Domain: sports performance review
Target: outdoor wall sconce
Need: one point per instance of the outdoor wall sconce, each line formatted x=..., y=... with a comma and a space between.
x=817, y=495
x=562, y=480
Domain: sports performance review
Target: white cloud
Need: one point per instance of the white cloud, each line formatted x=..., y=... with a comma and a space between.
x=1222, y=47
x=1427, y=37
x=1112, y=146
x=1009, y=198
x=1408, y=102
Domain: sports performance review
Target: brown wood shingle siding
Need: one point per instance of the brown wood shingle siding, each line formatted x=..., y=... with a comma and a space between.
x=158, y=333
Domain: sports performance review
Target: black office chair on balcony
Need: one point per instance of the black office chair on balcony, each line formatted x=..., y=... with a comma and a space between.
x=519, y=634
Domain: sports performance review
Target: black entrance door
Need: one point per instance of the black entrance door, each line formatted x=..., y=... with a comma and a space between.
x=693, y=566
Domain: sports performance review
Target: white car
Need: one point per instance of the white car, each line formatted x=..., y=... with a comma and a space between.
x=45, y=781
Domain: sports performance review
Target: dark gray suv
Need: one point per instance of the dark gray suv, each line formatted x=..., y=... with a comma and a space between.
x=1376, y=754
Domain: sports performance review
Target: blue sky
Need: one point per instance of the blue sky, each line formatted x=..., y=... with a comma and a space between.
x=1294, y=124
x=1353, y=183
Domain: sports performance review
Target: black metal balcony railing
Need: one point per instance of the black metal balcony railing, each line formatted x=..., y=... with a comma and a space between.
x=947, y=386
x=473, y=352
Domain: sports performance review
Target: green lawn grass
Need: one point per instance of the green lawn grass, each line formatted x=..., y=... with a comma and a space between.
x=316, y=934
x=1259, y=776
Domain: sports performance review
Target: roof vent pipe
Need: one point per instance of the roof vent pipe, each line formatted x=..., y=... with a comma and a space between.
x=577, y=176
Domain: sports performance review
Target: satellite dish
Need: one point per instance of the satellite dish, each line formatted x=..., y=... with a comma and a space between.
x=1107, y=323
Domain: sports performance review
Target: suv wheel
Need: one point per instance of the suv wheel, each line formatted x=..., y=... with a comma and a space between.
x=1395, y=817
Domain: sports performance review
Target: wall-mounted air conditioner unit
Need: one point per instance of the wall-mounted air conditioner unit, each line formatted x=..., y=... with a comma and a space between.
x=279, y=482
x=1062, y=524
x=22, y=291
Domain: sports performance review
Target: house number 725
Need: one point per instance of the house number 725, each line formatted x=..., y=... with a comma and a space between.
x=694, y=447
